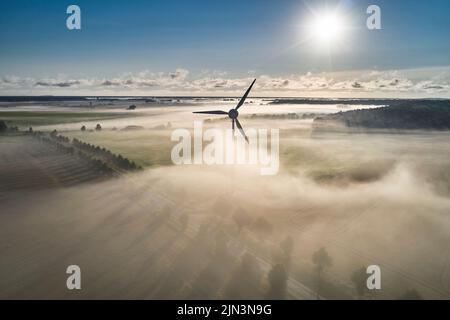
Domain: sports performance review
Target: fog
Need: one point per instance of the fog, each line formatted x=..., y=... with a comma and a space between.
x=197, y=231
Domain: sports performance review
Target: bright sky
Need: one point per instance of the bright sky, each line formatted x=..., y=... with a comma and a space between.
x=199, y=47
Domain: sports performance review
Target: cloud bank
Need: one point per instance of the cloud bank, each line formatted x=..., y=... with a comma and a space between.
x=427, y=82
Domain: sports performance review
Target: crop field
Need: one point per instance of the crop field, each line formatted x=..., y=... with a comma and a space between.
x=29, y=164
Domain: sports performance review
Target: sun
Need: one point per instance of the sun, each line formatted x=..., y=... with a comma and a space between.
x=327, y=27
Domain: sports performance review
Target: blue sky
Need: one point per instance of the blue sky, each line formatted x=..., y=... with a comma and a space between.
x=176, y=46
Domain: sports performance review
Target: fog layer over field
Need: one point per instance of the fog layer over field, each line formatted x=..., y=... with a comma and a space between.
x=220, y=231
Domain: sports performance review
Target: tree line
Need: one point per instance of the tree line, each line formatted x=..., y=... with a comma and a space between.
x=103, y=159
x=116, y=159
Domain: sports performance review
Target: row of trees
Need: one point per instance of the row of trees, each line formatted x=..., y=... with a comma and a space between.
x=55, y=141
x=62, y=144
x=321, y=260
x=98, y=127
x=101, y=157
x=4, y=127
x=249, y=279
x=106, y=155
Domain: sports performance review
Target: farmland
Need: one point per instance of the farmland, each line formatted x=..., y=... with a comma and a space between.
x=29, y=164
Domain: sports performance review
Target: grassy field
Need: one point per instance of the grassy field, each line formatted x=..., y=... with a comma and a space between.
x=146, y=148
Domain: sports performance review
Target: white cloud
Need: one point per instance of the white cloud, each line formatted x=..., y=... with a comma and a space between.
x=428, y=82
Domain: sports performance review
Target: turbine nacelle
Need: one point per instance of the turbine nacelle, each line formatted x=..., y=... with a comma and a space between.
x=233, y=114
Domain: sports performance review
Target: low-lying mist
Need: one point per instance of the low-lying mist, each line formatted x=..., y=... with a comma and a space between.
x=227, y=232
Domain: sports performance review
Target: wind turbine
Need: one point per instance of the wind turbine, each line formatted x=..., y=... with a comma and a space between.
x=233, y=113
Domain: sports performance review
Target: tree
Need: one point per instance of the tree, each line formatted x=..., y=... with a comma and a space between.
x=287, y=246
x=242, y=219
x=245, y=280
x=3, y=126
x=98, y=127
x=277, y=282
x=263, y=226
x=221, y=248
x=83, y=128
x=411, y=294
x=359, y=279
x=322, y=260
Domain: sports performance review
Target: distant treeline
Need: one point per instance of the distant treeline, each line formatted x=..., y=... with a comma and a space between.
x=102, y=98
x=411, y=115
x=383, y=102
x=284, y=116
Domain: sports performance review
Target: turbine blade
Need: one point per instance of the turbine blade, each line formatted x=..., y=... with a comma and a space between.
x=241, y=102
x=241, y=130
x=211, y=112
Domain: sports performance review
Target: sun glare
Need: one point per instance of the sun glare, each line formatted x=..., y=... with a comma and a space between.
x=327, y=27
